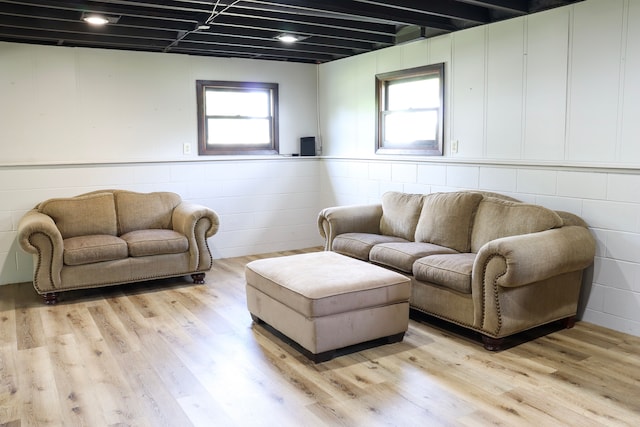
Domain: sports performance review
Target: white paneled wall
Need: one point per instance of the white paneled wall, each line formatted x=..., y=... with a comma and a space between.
x=545, y=108
x=264, y=205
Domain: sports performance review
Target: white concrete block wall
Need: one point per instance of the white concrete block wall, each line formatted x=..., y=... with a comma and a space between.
x=607, y=201
x=264, y=205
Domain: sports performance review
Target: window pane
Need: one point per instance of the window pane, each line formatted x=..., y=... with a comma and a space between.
x=253, y=103
x=423, y=93
x=407, y=127
x=238, y=132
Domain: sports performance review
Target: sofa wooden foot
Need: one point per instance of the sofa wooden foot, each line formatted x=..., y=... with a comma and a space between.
x=50, y=298
x=569, y=322
x=198, y=278
x=492, y=344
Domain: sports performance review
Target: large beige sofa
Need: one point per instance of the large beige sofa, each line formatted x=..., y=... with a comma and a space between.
x=480, y=260
x=112, y=237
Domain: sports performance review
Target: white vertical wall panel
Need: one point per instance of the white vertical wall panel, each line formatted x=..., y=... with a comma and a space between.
x=38, y=109
x=415, y=54
x=468, y=86
x=546, y=85
x=337, y=111
x=595, y=80
x=630, y=138
x=389, y=59
x=365, y=99
x=440, y=50
x=505, y=88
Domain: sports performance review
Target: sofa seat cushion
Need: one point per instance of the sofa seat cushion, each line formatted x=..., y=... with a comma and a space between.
x=451, y=271
x=402, y=255
x=155, y=242
x=93, y=248
x=358, y=245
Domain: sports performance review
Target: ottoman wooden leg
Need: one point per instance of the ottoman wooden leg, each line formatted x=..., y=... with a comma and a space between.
x=395, y=338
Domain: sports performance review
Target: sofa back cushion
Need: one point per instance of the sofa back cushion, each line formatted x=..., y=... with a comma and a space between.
x=143, y=211
x=400, y=212
x=498, y=218
x=446, y=219
x=89, y=214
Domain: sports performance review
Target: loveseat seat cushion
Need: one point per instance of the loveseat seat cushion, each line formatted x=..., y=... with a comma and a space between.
x=83, y=215
x=400, y=213
x=446, y=219
x=155, y=242
x=451, y=271
x=143, y=211
x=402, y=255
x=496, y=218
x=82, y=250
x=358, y=245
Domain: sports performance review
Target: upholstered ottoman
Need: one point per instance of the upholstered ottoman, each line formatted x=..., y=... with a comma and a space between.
x=325, y=301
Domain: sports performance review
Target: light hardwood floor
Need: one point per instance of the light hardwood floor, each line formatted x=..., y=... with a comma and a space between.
x=170, y=353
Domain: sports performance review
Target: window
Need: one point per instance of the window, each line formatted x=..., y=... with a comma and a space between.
x=409, y=106
x=237, y=117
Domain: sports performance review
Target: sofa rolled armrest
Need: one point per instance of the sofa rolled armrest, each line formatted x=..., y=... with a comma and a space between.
x=39, y=236
x=348, y=219
x=197, y=223
x=533, y=257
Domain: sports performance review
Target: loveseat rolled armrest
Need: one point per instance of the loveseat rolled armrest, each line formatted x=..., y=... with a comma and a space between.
x=197, y=223
x=337, y=220
x=39, y=236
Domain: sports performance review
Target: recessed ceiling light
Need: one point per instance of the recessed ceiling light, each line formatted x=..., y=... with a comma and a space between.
x=98, y=19
x=289, y=38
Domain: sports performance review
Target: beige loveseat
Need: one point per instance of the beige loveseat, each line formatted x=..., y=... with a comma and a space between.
x=111, y=237
x=480, y=260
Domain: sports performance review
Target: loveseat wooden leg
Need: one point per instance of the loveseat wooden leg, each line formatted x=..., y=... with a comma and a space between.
x=198, y=278
x=50, y=298
x=492, y=344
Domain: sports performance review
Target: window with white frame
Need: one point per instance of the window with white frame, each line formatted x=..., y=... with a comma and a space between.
x=237, y=117
x=410, y=111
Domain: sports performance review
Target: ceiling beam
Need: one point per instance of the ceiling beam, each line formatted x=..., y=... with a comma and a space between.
x=519, y=7
x=442, y=8
x=373, y=11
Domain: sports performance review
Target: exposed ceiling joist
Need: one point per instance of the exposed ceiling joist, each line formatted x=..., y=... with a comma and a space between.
x=328, y=29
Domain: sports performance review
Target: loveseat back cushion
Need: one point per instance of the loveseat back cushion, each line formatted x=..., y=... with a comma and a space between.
x=446, y=219
x=498, y=218
x=400, y=212
x=142, y=211
x=82, y=250
x=401, y=255
x=155, y=242
x=358, y=245
x=452, y=271
x=83, y=215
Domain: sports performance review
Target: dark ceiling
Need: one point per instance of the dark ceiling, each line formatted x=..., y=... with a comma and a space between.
x=331, y=29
